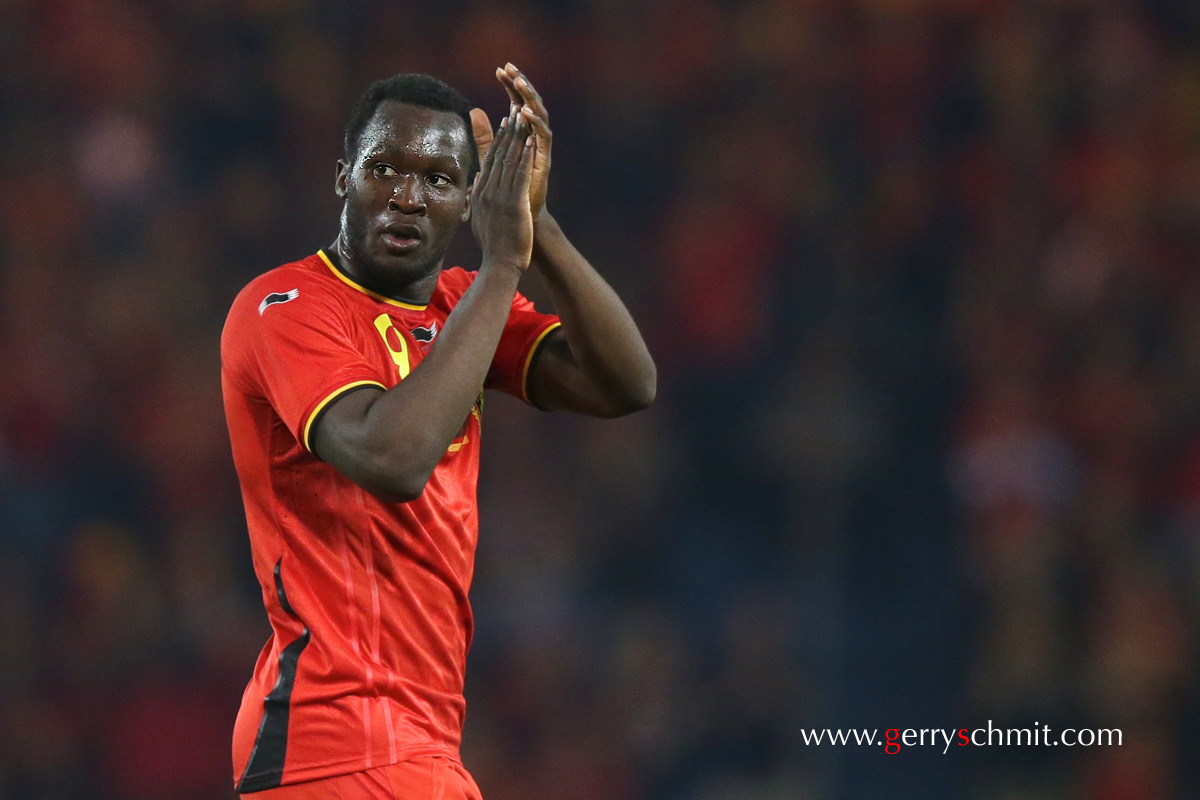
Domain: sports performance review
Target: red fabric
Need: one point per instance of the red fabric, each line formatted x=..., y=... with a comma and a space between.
x=419, y=779
x=381, y=588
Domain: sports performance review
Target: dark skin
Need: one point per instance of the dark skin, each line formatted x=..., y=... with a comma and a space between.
x=405, y=194
x=597, y=363
x=408, y=180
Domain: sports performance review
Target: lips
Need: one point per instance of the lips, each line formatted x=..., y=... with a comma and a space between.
x=401, y=237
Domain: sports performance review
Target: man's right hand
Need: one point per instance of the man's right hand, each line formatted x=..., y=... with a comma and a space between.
x=500, y=215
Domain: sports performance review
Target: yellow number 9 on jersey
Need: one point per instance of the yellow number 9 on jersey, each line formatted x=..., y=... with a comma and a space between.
x=383, y=324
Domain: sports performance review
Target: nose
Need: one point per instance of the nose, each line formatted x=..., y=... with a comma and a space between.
x=407, y=195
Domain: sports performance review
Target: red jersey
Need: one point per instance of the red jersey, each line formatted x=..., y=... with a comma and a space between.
x=367, y=599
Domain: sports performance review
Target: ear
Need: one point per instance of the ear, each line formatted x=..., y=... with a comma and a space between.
x=339, y=182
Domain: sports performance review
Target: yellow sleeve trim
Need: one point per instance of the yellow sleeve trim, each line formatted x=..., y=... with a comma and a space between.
x=529, y=359
x=355, y=285
x=329, y=398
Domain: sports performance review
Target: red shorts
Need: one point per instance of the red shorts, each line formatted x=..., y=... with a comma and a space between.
x=422, y=778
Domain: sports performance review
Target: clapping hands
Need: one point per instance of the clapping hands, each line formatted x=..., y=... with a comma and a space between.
x=526, y=104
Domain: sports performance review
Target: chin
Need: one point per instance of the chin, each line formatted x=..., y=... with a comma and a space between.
x=406, y=268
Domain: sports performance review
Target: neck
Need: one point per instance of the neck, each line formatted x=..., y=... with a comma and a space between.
x=415, y=292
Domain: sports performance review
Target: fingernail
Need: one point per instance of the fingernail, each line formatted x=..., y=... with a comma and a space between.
x=504, y=122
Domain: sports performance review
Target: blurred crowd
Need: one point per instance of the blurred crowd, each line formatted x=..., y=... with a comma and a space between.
x=920, y=279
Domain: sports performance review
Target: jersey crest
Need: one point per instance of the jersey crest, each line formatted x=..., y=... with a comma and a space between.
x=426, y=335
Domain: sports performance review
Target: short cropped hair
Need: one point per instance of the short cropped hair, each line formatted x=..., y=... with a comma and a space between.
x=414, y=88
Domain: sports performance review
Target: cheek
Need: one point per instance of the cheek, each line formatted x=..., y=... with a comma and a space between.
x=367, y=193
x=450, y=216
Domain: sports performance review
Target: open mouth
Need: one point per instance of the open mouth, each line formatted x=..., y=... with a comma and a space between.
x=401, y=237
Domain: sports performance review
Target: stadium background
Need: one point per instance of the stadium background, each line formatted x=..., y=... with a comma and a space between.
x=921, y=282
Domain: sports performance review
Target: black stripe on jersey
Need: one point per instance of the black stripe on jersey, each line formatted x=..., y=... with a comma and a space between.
x=264, y=770
x=533, y=359
x=316, y=420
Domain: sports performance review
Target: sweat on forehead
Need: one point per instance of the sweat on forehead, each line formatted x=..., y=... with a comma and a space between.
x=414, y=89
x=417, y=130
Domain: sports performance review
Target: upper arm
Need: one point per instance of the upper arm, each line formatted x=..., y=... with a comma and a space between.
x=534, y=362
x=525, y=336
x=556, y=382
x=300, y=355
x=340, y=437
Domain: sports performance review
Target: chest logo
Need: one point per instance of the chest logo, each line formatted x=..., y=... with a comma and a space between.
x=277, y=297
x=426, y=334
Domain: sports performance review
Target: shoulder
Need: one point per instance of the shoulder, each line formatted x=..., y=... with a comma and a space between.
x=303, y=283
x=284, y=284
x=300, y=293
x=454, y=281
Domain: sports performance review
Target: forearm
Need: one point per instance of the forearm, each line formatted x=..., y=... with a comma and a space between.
x=403, y=433
x=604, y=340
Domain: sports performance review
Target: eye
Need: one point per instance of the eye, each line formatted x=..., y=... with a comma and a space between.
x=384, y=171
x=440, y=180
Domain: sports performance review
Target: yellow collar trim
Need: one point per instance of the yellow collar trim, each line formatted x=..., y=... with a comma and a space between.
x=352, y=284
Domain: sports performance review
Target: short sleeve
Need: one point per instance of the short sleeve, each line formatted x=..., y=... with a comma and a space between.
x=294, y=346
x=524, y=334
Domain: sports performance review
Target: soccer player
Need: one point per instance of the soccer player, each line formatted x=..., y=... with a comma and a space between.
x=353, y=382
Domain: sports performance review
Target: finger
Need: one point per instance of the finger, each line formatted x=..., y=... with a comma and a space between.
x=491, y=165
x=539, y=124
x=529, y=95
x=515, y=151
x=519, y=167
x=490, y=158
x=504, y=142
x=503, y=149
x=524, y=167
x=506, y=80
x=481, y=129
x=543, y=138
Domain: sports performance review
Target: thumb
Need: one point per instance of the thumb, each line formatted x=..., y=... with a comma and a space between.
x=481, y=129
